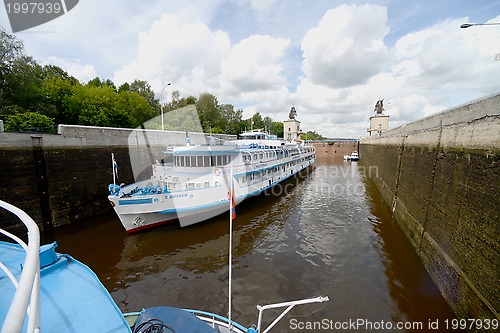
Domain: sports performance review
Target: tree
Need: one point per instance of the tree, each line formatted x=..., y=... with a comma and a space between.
x=124, y=87
x=28, y=122
x=56, y=88
x=11, y=49
x=95, y=82
x=257, y=121
x=22, y=84
x=207, y=107
x=177, y=102
x=311, y=135
x=136, y=107
x=144, y=89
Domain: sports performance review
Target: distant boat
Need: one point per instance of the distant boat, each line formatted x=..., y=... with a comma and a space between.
x=354, y=156
x=193, y=186
x=347, y=157
x=45, y=291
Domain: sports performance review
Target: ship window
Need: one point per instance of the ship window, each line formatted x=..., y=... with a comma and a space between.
x=206, y=161
x=190, y=186
x=213, y=161
x=199, y=161
x=188, y=161
x=219, y=160
x=255, y=156
x=193, y=161
x=182, y=160
x=207, y=184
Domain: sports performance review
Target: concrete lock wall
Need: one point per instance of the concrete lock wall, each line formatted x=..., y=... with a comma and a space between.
x=440, y=175
x=61, y=179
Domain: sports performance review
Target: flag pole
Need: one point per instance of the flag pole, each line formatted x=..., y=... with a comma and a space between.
x=113, y=163
x=231, y=188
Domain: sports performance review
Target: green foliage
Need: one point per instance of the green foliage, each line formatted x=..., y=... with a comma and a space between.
x=144, y=89
x=35, y=96
x=29, y=122
x=311, y=135
x=11, y=49
x=136, y=107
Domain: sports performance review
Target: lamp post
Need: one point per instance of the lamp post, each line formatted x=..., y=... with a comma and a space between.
x=161, y=105
x=468, y=25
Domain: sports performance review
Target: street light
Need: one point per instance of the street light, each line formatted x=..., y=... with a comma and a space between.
x=468, y=25
x=161, y=105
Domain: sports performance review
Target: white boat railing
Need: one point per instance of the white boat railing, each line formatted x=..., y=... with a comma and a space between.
x=27, y=296
x=289, y=306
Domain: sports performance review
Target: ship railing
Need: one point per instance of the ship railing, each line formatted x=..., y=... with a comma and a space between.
x=289, y=306
x=26, y=299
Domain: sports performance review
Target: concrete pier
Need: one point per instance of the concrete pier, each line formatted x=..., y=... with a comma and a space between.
x=440, y=175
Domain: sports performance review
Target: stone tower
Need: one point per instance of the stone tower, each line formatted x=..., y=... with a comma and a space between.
x=379, y=122
x=291, y=126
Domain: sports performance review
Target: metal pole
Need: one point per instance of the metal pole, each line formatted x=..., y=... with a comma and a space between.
x=113, y=167
x=161, y=106
x=230, y=242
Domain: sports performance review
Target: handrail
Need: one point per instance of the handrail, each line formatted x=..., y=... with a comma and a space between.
x=289, y=306
x=28, y=289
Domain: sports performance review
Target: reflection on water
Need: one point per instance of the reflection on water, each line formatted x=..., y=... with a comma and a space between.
x=328, y=234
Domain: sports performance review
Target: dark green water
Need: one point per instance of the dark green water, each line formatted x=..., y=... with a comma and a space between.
x=327, y=234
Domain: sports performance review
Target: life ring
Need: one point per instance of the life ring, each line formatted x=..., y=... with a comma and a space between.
x=217, y=172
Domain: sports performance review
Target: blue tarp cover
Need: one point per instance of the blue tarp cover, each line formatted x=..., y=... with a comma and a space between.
x=177, y=319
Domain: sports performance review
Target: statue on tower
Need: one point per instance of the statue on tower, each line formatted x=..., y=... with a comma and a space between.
x=379, y=106
x=292, y=113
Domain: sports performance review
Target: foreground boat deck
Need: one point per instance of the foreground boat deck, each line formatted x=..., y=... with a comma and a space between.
x=72, y=297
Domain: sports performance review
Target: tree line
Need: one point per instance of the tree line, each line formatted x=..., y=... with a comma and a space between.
x=35, y=97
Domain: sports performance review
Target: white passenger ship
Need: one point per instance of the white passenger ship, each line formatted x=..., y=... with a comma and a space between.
x=195, y=185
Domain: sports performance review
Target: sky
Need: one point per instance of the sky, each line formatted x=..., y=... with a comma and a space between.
x=330, y=59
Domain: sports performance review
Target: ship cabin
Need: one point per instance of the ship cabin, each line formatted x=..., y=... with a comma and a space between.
x=253, y=154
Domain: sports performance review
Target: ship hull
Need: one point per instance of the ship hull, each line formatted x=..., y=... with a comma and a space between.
x=189, y=207
x=198, y=183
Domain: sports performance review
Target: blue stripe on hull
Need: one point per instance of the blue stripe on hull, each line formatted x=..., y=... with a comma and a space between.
x=226, y=201
x=135, y=201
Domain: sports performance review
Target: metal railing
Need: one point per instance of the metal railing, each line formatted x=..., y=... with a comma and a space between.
x=289, y=306
x=27, y=296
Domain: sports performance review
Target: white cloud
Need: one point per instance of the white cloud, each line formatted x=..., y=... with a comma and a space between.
x=253, y=65
x=445, y=57
x=184, y=53
x=346, y=48
x=262, y=5
x=247, y=53
x=424, y=73
x=75, y=67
